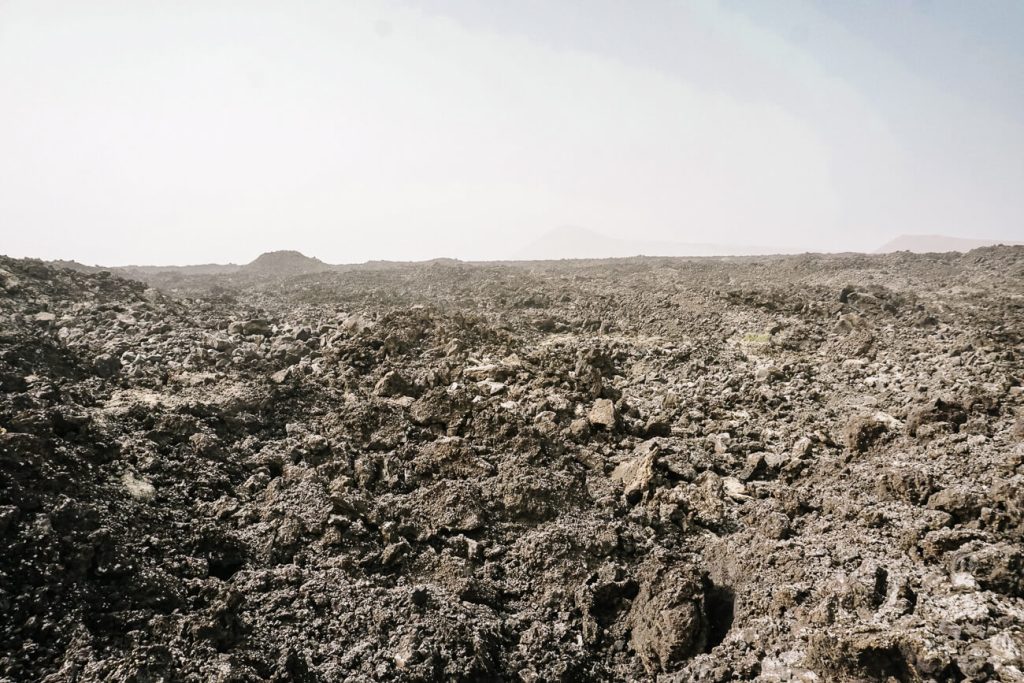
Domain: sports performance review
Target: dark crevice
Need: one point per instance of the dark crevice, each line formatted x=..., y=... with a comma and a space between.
x=719, y=608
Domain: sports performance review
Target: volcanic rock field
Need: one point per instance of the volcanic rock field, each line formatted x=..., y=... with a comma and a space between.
x=799, y=468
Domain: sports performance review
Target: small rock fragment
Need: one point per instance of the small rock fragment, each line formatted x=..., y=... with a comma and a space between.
x=602, y=414
x=862, y=431
x=107, y=365
x=637, y=473
x=139, y=489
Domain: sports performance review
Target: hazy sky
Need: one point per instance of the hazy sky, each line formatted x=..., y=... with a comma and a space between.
x=183, y=132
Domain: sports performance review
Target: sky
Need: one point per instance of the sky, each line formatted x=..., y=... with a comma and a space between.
x=145, y=132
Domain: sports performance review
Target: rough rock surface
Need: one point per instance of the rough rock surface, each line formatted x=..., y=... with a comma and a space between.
x=800, y=468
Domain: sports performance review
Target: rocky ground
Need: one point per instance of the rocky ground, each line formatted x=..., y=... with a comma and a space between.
x=802, y=468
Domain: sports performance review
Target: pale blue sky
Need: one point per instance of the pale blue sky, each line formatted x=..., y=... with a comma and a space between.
x=157, y=132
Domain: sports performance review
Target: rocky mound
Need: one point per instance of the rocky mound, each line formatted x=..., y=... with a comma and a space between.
x=283, y=264
x=799, y=468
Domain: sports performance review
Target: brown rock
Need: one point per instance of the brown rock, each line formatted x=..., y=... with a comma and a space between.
x=864, y=430
x=637, y=473
x=667, y=616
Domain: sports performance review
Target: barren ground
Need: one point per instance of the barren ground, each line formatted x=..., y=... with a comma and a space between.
x=800, y=468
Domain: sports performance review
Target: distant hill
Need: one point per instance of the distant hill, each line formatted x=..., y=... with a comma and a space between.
x=936, y=244
x=581, y=243
x=274, y=264
x=199, y=269
x=75, y=265
x=285, y=263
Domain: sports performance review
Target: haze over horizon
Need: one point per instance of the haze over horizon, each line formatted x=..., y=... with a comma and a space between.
x=140, y=133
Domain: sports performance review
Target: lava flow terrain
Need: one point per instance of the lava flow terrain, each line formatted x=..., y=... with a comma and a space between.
x=798, y=468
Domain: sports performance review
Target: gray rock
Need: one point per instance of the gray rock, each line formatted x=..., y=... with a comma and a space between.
x=106, y=365
x=602, y=414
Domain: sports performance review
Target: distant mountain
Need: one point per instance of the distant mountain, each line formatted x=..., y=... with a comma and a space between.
x=285, y=263
x=581, y=243
x=936, y=244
